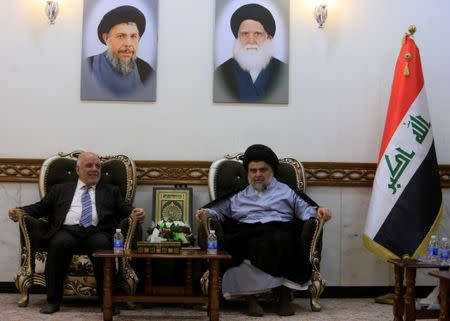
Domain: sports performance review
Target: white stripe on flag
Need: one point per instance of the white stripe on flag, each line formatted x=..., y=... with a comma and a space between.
x=383, y=200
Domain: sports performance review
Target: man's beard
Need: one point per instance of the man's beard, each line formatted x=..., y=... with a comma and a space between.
x=253, y=58
x=260, y=187
x=121, y=66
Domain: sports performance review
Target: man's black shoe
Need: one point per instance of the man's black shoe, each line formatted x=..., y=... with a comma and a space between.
x=49, y=308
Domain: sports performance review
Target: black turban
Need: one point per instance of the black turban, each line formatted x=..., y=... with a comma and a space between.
x=263, y=153
x=122, y=14
x=255, y=12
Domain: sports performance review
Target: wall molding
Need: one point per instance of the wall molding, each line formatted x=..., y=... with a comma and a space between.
x=150, y=172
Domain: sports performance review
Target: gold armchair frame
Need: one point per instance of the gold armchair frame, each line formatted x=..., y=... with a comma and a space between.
x=317, y=285
x=81, y=285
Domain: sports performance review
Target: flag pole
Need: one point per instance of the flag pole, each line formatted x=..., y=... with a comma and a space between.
x=388, y=298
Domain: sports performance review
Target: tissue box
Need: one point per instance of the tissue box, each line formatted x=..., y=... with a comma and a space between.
x=158, y=248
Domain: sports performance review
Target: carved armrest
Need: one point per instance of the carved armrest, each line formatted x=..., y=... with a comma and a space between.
x=132, y=232
x=31, y=233
x=203, y=229
x=311, y=241
x=313, y=230
x=208, y=223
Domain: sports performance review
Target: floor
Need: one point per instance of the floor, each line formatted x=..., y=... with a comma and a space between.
x=76, y=309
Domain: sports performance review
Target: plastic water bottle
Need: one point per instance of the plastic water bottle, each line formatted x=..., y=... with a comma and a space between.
x=118, y=242
x=212, y=243
x=444, y=251
x=433, y=249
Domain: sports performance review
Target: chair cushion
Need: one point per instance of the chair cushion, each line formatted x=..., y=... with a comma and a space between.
x=286, y=174
x=61, y=170
x=230, y=178
x=114, y=173
x=81, y=265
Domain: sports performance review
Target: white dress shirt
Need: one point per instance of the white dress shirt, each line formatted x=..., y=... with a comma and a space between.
x=74, y=214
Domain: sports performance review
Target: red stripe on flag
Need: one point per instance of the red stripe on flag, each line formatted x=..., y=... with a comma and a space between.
x=404, y=90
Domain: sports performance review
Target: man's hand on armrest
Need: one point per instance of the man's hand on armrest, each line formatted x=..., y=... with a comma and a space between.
x=323, y=214
x=13, y=214
x=138, y=214
x=201, y=214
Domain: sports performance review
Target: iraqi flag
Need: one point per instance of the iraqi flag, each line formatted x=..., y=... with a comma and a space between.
x=406, y=203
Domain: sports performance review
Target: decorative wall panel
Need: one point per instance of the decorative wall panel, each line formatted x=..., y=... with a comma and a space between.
x=150, y=172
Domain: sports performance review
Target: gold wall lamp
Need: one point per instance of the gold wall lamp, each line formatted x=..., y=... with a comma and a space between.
x=52, y=9
x=320, y=14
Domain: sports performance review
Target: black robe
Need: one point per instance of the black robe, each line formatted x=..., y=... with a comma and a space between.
x=276, y=91
x=273, y=247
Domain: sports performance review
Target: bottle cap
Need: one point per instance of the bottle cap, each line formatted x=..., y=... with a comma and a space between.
x=118, y=230
x=433, y=236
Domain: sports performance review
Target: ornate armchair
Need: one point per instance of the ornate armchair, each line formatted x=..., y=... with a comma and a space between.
x=117, y=170
x=227, y=175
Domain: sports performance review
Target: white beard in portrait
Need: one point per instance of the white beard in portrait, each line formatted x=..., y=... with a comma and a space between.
x=253, y=58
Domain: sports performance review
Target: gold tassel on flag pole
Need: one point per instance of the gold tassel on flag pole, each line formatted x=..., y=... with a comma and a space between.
x=408, y=56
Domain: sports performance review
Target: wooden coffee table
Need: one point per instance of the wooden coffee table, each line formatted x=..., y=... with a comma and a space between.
x=406, y=306
x=212, y=300
x=444, y=294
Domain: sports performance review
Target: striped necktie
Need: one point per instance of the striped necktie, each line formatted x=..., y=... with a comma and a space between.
x=86, y=208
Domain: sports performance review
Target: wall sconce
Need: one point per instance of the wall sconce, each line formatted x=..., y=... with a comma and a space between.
x=51, y=9
x=321, y=13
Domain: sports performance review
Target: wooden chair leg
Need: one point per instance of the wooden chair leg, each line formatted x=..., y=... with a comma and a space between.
x=23, y=282
x=316, y=288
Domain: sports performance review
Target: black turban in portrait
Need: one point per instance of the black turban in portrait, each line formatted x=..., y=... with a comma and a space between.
x=253, y=11
x=263, y=153
x=122, y=14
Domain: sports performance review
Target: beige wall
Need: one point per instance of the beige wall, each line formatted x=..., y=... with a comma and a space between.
x=340, y=83
x=340, y=80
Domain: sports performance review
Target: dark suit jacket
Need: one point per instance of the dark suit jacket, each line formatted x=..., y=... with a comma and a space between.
x=111, y=207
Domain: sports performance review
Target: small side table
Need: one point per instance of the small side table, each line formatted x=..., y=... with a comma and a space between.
x=212, y=300
x=406, y=307
x=444, y=294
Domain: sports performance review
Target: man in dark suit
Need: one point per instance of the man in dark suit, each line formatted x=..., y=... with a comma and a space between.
x=82, y=217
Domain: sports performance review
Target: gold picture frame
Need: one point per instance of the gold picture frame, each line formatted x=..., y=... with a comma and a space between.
x=172, y=203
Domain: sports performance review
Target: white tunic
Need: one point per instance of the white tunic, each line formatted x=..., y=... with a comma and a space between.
x=277, y=203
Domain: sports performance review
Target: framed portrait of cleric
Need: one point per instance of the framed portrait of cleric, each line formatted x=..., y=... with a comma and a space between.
x=172, y=203
x=251, y=51
x=119, y=50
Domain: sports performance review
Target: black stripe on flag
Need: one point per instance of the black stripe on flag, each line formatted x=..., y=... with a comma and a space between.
x=415, y=211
